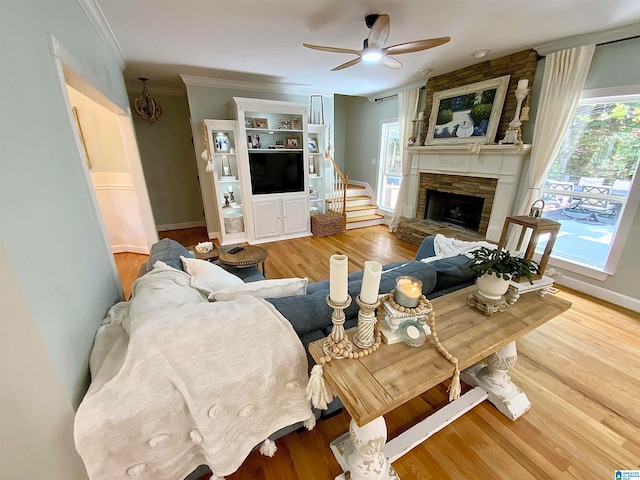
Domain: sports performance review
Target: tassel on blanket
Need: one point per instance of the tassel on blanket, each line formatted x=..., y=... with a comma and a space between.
x=268, y=448
x=319, y=393
x=454, y=388
x=310, y=422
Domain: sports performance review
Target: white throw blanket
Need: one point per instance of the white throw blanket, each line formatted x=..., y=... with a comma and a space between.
x=179, y=382
x=446, y=247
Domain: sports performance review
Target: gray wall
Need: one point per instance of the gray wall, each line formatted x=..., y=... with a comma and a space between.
x=213, y=103
x=57, y=270
x=169, y=163
x=362, y=135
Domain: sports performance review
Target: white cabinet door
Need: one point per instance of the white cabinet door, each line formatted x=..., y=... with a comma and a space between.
x=267, y=215
x=296, y=215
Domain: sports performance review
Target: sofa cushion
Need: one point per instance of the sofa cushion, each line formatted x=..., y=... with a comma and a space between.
x=263, y=289
x=207, y=277
x=453, y=272
x=306, y=313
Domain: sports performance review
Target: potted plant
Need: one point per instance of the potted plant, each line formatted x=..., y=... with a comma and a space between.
x=494, y=268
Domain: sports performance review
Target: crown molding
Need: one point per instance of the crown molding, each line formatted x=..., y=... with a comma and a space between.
x=603, y=36
x=136, y=88
x=99, y=22
x=192, y=80
x=394, y=91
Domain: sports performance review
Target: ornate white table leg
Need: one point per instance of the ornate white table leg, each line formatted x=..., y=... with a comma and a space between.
x=360, y=452
x=493, y=378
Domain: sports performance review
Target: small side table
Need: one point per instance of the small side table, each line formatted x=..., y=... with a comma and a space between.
x=248, y=256
x=209, y=256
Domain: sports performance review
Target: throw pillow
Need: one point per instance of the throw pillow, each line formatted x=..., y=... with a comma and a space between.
x=208, y=277
x=264, y=289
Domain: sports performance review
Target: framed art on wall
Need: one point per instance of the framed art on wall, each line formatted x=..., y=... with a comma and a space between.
x=468, y=114
x=222, y=142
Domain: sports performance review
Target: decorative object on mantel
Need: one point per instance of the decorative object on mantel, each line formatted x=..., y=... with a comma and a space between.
x=514, y=134
x=418, y=121
x=146, y=106
x=467, y=114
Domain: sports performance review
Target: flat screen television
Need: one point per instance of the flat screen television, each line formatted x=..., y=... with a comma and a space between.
x=276, y=172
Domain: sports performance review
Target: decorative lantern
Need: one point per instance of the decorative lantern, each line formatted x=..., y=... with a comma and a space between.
x=536, y=226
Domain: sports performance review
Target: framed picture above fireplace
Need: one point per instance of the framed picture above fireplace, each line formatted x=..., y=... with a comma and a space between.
x=468, y=114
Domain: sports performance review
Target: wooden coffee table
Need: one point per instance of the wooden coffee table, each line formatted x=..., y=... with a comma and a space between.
x=376, y=384
x=249, y=255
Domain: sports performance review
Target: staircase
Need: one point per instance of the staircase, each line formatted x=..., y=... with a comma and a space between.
x=360, y=209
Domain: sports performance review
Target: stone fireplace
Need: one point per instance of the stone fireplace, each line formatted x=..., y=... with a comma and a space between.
x=456, y=200
x=490, y=179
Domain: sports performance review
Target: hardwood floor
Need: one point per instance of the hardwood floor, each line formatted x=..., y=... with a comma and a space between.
x=581, y=372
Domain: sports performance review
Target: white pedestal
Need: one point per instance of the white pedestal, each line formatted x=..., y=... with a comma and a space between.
x=492, y=377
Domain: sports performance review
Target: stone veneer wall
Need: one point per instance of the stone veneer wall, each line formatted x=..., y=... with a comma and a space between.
x=463, y=185
x=519, y=65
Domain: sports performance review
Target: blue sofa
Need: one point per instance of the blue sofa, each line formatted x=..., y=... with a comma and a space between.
x=310, y=315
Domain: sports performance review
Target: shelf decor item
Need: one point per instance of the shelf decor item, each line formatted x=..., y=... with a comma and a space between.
x=222, y=142
x=468, y=114
x=226, y=167
x=312, y=144
x=292, y=142
x=260, y=123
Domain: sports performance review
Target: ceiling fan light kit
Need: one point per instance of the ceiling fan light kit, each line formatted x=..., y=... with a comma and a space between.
x=373, y=49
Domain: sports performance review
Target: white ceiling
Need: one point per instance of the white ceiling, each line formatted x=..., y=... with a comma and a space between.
x=261, y=41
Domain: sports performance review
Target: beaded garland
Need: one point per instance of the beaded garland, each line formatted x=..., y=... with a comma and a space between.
x=338, y=350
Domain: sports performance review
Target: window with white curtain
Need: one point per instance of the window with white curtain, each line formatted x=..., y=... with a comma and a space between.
x=590, y=186
x=390, y=166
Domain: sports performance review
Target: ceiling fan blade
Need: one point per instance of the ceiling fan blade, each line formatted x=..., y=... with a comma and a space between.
x=331, y=49
x=348, y=64
x=390, y=62
x=379, y=32
x=416, y=46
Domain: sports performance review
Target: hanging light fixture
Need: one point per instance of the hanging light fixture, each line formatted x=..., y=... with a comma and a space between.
x=146, y=106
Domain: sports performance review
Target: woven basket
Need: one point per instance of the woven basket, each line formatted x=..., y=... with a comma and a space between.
x=326, y=224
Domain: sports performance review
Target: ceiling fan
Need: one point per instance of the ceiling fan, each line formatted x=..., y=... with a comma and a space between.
x=373, y=49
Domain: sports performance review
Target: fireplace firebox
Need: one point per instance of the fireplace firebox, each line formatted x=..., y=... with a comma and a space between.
x=463, y=211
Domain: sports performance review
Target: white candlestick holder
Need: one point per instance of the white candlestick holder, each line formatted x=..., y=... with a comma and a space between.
x=338, y=334
x=514, y=133
x=365, y=337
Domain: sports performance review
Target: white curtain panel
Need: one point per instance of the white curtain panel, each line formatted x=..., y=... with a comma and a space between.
x=564, y=75
x=407, y=105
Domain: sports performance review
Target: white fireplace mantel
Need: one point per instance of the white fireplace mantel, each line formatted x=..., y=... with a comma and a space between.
x=502, y=162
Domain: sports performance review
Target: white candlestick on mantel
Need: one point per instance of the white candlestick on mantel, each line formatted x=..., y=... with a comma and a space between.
x=522, y=84
x=338, y=278
x=370, y=282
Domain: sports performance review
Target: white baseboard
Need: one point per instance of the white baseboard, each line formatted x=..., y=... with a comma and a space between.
x=178, y=226
x=599, y=292
x=129, y=249
x=215, y=236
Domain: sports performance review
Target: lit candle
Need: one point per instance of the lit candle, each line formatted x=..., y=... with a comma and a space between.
x=522, y=84
x=230, y=188
x=370, y=282
x=415, y=116
x=338, y=278
x=408, y=291
x=421, y=116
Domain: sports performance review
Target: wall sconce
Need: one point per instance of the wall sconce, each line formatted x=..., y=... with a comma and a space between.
x=146, y=106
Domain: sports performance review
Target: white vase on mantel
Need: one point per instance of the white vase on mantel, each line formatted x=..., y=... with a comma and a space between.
x=492, y=286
